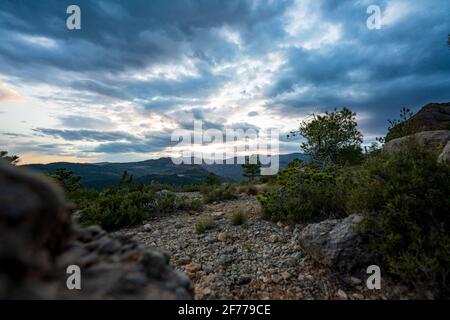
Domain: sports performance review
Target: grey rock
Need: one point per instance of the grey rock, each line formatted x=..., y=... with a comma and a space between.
x=276, y=278
x=436, y=140
x=336, y=243
x=445, y=154
x=341, y=295
x=225, y=260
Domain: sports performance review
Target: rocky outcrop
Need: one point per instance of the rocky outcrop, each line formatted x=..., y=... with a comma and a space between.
x=39, y=240
x=434, y=140
x=445, y=154
x=432, y=117
x=336, y=243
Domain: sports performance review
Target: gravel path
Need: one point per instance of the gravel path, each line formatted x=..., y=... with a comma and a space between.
x=259, y=260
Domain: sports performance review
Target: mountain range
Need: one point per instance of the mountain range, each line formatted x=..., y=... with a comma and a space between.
x=163, y=170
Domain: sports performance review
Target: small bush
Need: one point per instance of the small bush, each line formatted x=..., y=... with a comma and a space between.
x=405, y=197
x=191, y=188
x=196, y=205
x=166, y=203
x=304, y=194
x=184, y=203
x=238, y=216
x=204, y=224
x=221, y=193
x=249, y=189
x=116, y=208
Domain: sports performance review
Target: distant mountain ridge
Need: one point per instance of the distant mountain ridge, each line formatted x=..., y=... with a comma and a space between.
x=163, y=170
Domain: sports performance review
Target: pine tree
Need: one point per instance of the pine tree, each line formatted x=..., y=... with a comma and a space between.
x=251, y=168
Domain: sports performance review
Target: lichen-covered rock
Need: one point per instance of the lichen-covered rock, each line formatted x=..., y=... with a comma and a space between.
x=335, y=243
x=39, y=240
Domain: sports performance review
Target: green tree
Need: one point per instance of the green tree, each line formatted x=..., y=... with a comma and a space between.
x=11, y=159
x=212, y=179
x=251, y=168
x=66, y=179
x=126, y=179
x=332, y=138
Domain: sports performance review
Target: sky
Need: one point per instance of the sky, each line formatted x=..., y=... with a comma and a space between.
x=138, y=70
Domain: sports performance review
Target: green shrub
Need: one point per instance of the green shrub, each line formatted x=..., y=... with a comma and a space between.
x=184, y=203
x=204, y=224
x=249, y=189
x=238, y=216
x=220, y=193
x=166, y=203
x=196, y=205
x=304, y=194
x=190, y=188
x=267, y=179
x=115, y=208
x=212, y=180
x=405, y=197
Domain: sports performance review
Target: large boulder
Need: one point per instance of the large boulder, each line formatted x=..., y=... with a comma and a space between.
x=435, y=140
x=445, y=154
x=336, y=243
x=39, y=240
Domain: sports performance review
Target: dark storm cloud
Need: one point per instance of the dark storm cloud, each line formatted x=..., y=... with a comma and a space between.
x=125, y=147
x=120, y=50
x=86, y=135
x=374, y=71
x=117, y=35
x=152, y=143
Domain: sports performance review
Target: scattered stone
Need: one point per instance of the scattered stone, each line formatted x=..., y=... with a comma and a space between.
x=245, y=279
x=275, y=278
x=183, y=261
x=193, y=267
x=225, y=260
x=355, y=281
x=341, y=295
x=357, y=296
x=274, y=238
x=222, y=236
x=286, y=275
x=147, y=227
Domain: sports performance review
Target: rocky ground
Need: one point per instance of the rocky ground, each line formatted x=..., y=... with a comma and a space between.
x=258, y=260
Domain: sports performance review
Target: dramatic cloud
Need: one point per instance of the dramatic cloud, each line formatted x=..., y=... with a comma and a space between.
x=86, y=135
x=137, y=70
